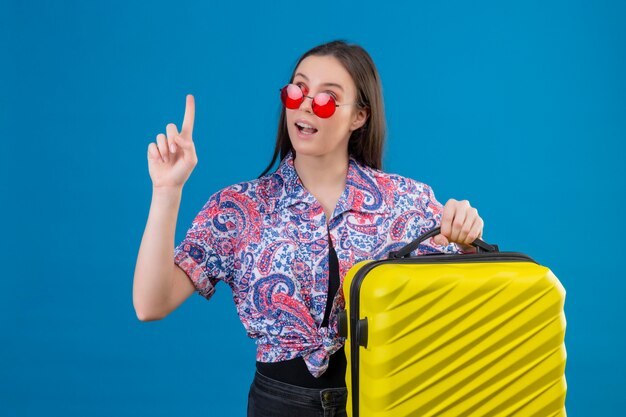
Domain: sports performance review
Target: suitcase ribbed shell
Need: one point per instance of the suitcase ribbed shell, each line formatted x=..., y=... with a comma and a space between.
x=459, y=339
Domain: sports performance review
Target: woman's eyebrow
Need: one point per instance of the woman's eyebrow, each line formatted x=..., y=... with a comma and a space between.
x=324, y=84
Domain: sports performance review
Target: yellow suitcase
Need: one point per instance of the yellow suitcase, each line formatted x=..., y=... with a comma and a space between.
x=454, y=335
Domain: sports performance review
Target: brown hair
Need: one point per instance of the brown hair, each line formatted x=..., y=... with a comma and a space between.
x=366, y=143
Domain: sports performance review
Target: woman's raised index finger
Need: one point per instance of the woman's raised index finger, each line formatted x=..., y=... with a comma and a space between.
x=190, y=110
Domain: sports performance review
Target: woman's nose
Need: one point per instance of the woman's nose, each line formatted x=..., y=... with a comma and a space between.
x=307, y=104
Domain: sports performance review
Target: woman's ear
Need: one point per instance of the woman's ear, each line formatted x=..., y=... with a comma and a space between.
x=361, y=117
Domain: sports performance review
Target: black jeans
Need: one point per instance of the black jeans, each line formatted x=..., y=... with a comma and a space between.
x=271, y=398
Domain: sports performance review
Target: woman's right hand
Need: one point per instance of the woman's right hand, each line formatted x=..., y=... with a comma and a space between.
x=173, y=157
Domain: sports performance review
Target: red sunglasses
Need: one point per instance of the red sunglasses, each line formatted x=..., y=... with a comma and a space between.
x=324, y=104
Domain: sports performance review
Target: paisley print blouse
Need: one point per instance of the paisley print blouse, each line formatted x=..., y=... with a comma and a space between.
x=268, y=240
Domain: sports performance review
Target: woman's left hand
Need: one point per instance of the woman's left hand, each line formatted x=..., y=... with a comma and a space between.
x=461, y=224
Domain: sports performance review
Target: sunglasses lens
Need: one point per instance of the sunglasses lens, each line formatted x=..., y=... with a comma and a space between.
x=324, y=105
x=291, y=95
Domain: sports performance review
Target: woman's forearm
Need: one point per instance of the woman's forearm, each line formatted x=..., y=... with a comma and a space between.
x=154, y=270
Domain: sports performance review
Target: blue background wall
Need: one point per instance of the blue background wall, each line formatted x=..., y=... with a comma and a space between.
x=519, y=107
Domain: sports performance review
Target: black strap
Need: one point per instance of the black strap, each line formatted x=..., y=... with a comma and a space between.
x=405, y=251
x=333, y=280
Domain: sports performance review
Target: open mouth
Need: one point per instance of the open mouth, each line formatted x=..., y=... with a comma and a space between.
x=305, y=128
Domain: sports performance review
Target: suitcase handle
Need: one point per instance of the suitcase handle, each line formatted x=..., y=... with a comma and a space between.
x=481, y=246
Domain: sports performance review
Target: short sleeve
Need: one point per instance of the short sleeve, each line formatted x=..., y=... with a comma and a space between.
x=432, y=211
x=206, y=252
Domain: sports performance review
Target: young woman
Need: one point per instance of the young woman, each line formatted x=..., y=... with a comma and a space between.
x=284, y=241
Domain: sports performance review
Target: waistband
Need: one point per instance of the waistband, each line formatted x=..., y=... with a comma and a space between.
x=328, y=397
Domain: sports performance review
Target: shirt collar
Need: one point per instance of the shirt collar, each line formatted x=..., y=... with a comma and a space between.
x=362, y=192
